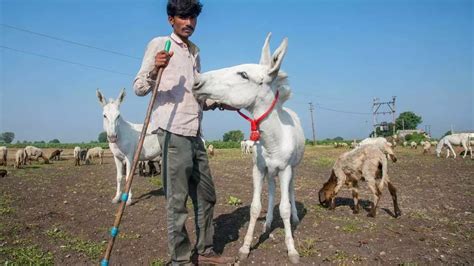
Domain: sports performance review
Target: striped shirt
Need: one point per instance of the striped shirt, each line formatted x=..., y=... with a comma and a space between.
x=175, y=109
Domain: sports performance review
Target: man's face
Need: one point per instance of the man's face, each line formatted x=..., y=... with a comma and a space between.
x=183, y=26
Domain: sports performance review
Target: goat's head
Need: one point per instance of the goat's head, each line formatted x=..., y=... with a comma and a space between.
x=245, y=85
x=326, y=194
x=111, y=113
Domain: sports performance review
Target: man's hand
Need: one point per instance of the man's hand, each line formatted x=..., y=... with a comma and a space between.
x=161, y=60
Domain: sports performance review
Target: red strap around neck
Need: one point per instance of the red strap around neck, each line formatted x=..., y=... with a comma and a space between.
x=255, y=134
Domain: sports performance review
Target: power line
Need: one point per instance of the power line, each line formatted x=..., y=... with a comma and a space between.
x=341, y=111
x=68, y=41
x=65, y=61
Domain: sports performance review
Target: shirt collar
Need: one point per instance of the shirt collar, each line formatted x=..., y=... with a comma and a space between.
x=193, y=48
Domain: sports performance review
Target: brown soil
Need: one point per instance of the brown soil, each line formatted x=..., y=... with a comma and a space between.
x=58, y=207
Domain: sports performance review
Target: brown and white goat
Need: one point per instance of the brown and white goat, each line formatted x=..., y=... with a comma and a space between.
x=368, y=163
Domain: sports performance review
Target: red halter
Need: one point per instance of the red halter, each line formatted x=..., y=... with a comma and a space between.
x=254, y=131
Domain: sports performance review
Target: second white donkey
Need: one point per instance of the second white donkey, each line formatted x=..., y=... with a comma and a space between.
x=123, y=139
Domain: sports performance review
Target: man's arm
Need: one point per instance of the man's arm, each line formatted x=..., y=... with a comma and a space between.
x=153, y=59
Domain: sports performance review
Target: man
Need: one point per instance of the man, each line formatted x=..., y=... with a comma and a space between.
x=176, y=119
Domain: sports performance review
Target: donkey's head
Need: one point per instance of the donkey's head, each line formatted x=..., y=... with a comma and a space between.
x=327, y=192
x=111, y=113
x=246, y=85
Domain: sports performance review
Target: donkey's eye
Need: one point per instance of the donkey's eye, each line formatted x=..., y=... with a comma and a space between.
x=243, y=75
x=105, y=116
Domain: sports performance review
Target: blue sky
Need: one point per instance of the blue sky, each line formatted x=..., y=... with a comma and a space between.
x=341, y=55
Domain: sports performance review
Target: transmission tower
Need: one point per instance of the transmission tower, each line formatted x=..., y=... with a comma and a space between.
x=375, y=111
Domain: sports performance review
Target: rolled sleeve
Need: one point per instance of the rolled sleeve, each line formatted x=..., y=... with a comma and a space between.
x=143, y=84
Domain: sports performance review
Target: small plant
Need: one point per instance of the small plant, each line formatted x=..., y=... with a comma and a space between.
x=89, y=248
x=307, y=247
x=156, y=181
x=234, y=201
x=158, y=262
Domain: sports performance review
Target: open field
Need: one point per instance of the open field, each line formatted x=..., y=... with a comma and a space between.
x=58, y=213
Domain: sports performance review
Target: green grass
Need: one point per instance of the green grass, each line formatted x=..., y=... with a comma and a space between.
x=29, y=255
x=307, y=247
x=234, y=201
x=156, y=181
x=69, y=242
x=323, y=161
x=5, y=201
x=158, y=262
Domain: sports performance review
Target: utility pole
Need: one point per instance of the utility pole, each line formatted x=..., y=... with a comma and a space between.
x=375, y=111
x=311, y=108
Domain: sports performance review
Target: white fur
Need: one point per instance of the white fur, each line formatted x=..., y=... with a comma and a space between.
x=123, y=139
x=281, y=145
x=460, y=139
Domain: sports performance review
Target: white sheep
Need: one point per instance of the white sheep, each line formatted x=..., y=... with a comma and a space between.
x=426, y=147
x=210, y=150
x=95, y=152
x=3, y=155
x=34, y=153
x=20, y=158
x=368, y=163
x=383, y=144
x=77, y=155
x=413, y=145
x=405, y=143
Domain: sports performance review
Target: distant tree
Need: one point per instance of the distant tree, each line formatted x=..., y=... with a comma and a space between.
x=7, y=137
x=447, y=133
x=102, y=137
x=408, y=120
x=54, y=141
x=39, y=141
x=338, y=138
x=233, y=135
x=25, y=142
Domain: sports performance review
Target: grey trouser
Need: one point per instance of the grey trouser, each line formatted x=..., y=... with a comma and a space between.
x=185, y=172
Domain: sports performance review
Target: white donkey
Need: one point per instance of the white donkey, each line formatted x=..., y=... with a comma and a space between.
x=255, y=87
x=123, y=139
x=460, y=139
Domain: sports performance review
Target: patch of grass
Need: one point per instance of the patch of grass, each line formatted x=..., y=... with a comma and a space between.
x=88, y=248
x=234, y=201
x=351, y=228
x=420, y=214
x=156, y=181
x=123, y=235
x=338, y=256
x=307, y=247
x=158, y=262
x=324, y=161
x=5, y=207
x=29, y=255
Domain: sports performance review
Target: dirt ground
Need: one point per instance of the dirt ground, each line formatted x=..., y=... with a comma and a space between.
x=58, y=213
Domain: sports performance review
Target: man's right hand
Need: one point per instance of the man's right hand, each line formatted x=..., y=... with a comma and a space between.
x=161, y=60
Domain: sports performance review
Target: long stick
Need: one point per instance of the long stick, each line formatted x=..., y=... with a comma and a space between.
x=136, y=156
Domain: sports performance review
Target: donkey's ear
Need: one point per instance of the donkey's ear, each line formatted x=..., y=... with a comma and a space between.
x=265, y=58
x=277, y=58
x=121, y=96
x=101, y=97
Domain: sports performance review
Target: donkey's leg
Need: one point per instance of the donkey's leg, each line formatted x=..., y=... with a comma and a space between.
x=271, y=200
x=294, y=212
x=255, y=209
x=118, y=166
x=451, y=148
x=376, y=192
x=129, y=168
x=285, y=213
x=355, y=196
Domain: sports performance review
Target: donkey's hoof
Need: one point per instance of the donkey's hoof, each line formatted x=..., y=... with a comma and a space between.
x=294, y=257
x=243, y=254
x=129, y=202
x=295, y=220
x=115, y=200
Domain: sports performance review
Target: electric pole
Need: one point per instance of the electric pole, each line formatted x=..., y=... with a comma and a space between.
x=311, y=108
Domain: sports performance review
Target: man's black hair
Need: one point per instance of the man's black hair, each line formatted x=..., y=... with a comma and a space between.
x=183, y=8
